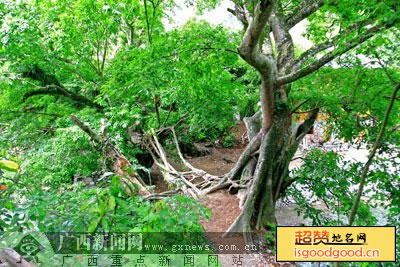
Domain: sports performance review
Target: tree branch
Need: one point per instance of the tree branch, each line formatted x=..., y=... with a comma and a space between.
x=305, y=127
x=283, y=40
x=305, y=9
x=121, y=165
x=104, y=55
x=325, y=45
x=59, y=90
x=249, y=51
x=147, y=21
x=97, y=138
x=299, y=105
x=371, y=156
x=51, y=86
x=32, y=112
x=241, y=14
x=312, y=52
x=316, y=65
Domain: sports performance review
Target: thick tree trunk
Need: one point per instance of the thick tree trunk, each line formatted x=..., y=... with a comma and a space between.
x=277, y=141
x=270, y=180
x=276, y=165
x=253, y=127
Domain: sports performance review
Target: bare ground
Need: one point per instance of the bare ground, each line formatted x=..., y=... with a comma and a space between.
x=225, y=206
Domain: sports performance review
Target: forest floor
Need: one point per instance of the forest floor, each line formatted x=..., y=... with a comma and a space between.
x=225, y=206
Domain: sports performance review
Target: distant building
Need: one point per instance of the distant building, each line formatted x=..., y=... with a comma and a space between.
x=321, y=136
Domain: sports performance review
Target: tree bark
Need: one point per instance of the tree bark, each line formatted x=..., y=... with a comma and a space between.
x=120, y=164
x=278, y=147
x=51, y=86
x=11, y=258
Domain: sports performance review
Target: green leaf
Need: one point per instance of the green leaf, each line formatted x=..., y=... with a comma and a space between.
x=42, y=227
x=84, y=205
x=8, y=205
x=93, y=224
x=111, y=202
x=9, y=165
x=42, y=213
x=122, y=203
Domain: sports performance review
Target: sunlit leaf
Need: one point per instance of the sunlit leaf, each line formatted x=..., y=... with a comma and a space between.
x=9, y=165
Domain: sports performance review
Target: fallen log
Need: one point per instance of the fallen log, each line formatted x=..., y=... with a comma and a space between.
x=120, y=164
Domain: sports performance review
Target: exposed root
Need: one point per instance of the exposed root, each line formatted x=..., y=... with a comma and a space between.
x=227, y=180
x=158, y=196
x=191, y=182
x=200, y=182
x=242, y=223
x=196, y=182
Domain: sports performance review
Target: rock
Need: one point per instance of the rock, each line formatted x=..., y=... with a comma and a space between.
x=202, y=150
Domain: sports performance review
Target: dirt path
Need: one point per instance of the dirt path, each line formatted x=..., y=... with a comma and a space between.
x=224, y=206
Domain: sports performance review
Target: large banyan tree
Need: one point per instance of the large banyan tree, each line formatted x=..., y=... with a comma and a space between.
x=335, y=27
x=102, y=54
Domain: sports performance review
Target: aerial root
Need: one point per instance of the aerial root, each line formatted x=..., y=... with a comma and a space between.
x=193, y=182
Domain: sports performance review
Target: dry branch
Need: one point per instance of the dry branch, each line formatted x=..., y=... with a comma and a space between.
x=121, y=165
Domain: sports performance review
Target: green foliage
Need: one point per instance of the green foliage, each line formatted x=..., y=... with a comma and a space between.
x=326, y=184
x=202, y=5
x=352, y=100
x=344, y=15
x=322, y=189
x=187, y=69
x=58, y=159
x=270, y=237
x=229, y=140
x=8, y=165
x=78, y=209
x=117, y=56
